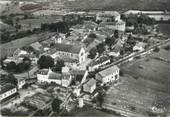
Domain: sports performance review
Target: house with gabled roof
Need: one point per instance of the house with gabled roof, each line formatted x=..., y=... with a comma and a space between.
x=108, y=16
x=90, y=86
x=140, y=46
x=47, y=75
x=116, y=25
x=70, y=51
x=96, y=64
x=37, y=46
x=7, y=92
x=108, y=75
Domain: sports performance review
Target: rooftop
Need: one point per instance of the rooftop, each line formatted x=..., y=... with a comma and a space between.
x=54, y=76
x=140, y=44
x=100, y=60
x=107, y=31
x=103, y=24
x=90, y=25
x=43, y=71
x=77, y=72
x=90, y=83
x=145, y=12
x=68, y=48
x=109, y=13
x=92, y=45
x=108, y=71
x=36, y=45
x=69, y=60
x=6, y=88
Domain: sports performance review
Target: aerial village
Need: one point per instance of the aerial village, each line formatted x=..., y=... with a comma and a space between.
x=69, y=56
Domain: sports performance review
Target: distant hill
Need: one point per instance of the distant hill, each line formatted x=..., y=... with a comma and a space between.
x=119, y=4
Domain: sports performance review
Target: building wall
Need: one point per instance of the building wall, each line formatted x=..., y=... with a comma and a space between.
x=63, y=82
x=104, y=18
x=86, y=88
x=111, y=78
x=119, y=27
x=82, y=56
x=66, y=54
x=92, y=68
x=73, y=65
x=42, y=78
x=8, y=93
x=57, y=81
x=92, y=88
x=21, y=83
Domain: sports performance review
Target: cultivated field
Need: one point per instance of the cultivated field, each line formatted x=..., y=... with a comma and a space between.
x=146, y=84
x=9, y=48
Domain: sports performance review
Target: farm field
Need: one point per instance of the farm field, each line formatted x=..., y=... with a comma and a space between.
x=7, y=49
x=144, y=86
x=87, y=111
x=164, y=28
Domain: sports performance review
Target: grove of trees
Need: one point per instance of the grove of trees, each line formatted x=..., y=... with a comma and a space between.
x=10, y=78
x=139, y=21
x=20, y=67
x=61, y=27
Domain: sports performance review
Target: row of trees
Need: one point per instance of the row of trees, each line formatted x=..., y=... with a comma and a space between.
x=56, y=27
x=48, y=62
x=6, y=36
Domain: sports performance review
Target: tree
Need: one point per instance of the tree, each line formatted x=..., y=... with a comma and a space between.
x=59, y=27
x=11, y=66
x=56, y=105
x=100, y=98
x=122, y=52
x=156, y=49
x=123, y=17
x=101, y=48
x=121, y=73
x=45, y=62
x=141, y=29
x=92, y=53
x=27, y=63
x=110, y=41
x=132, y=20
x=116, y=34
x=144, y=19
x=11, y=79
x=20, y=67
x=92, y=35
x=167, y=47
x=59, y=65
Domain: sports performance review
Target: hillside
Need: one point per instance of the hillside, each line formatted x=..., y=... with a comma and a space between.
x=119, y=4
